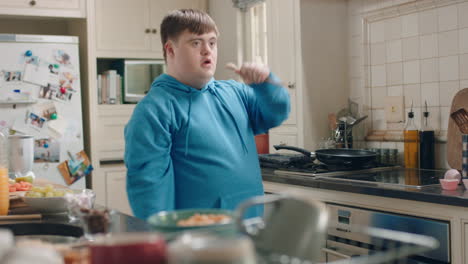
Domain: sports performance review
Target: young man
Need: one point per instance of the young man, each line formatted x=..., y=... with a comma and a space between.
x=190, y=141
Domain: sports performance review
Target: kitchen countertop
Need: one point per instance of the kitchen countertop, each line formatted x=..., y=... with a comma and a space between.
x=59, y=224
x=429, y=194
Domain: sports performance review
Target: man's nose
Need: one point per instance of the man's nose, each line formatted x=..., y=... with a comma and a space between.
x=206, y=49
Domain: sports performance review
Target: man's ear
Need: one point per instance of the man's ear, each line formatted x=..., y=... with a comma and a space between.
x=169, y=47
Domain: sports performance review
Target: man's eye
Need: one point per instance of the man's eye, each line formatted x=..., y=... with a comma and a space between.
x=196, y=43
x=213, y=44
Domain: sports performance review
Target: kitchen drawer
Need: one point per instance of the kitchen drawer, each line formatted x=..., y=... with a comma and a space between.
x=116, y=191
x=282, y=139
x=111, y=124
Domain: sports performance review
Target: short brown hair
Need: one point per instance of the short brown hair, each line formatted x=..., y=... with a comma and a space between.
x=177, y=21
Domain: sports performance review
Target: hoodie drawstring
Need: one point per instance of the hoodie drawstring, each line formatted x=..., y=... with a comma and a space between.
x=244, y=145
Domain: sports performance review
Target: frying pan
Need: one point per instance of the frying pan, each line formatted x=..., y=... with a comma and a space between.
x=346, y=157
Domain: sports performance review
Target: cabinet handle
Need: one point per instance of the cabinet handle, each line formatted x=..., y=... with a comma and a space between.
x=154, y=31
x=32, y=3
x=147, y=30
x=291, y=85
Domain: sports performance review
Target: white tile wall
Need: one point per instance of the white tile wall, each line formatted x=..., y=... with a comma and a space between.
x=411, y=72
x=394, y=51
x=430, y=70
x=394, y=73
x=448, y=17
x=464, y=66
x=448, y=43
x=428, y=22
x=410, y=48
x=429, y=46
x=447, y=91
x=448, y=68
x=462, y=17
x=421, y=54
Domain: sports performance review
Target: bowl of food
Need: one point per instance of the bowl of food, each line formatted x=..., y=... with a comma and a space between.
x=216, y=220
x=47, y=199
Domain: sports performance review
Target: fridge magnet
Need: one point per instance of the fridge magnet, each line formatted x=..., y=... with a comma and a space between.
x=36, y=74
x=63, y=95
x=46, y=150
x=34, y=60
x=75, y=168
x=35, y=121
x=66, y=80
x=46, y=110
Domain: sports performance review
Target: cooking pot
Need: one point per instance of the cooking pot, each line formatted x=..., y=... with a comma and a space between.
x=346, y=157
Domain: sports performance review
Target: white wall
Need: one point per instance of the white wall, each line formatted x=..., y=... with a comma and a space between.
x=324, y=58
x=227, y=19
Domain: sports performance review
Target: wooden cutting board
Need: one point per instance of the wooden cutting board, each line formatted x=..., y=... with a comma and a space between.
x=454, y=136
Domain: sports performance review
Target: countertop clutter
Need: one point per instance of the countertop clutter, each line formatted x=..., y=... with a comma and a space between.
x=430, y=193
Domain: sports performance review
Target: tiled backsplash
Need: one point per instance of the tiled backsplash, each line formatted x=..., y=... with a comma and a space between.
x=416, y=49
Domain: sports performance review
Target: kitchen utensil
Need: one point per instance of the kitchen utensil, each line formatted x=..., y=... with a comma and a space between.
x=282, y=160
x=340, y=157
x=21, y=156
x=454, y=135
x=21, y=217
x=296, y=226
x=461, y=119
x=356, y=121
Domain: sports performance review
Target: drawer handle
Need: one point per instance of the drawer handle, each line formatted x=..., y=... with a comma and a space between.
x=291, y=85
x=154, y=31
x=32, y=3
x=147, y=30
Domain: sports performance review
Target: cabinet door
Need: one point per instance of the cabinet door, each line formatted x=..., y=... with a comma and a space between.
x=111, y=123
x=116, y=191
x=281, y=47
x=123, y=25
x=159, y=9
x=55, y=8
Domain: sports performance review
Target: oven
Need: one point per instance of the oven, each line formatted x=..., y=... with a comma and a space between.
x=343, y=243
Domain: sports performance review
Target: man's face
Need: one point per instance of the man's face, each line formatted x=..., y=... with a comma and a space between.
x=195, y=56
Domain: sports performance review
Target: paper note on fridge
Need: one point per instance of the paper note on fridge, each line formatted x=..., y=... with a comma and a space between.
x=57, y=127
x=40, y=75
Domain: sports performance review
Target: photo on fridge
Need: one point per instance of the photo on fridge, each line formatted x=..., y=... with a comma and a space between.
x=46, y=150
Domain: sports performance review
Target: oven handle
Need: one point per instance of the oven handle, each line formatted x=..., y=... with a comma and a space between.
x=335, y=253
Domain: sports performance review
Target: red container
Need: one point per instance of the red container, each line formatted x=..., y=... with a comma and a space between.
x=262, y=143
x=129, y=248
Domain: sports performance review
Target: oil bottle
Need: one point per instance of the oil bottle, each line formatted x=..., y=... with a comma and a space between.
x=426, y=145
x=411, y=140
x=4, y=187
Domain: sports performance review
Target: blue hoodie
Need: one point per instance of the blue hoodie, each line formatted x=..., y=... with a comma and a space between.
x=189, y=148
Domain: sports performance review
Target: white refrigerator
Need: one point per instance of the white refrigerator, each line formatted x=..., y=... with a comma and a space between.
x=40, y=96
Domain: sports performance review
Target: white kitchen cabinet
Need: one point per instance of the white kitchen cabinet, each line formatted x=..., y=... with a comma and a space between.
x=116, y=192
x=44, y=8
x=130, y=29
x=112, y=120
x=465, y=241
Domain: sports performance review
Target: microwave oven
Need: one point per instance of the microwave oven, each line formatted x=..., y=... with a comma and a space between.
x=138, y=77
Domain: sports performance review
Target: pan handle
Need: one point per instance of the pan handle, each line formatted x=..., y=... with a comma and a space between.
x=301, y=150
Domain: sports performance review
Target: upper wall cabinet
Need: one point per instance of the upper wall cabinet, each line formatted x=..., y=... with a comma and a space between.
x=44, y=8
x=131, y=28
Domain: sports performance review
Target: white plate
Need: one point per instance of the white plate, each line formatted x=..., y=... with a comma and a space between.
x=47, y=205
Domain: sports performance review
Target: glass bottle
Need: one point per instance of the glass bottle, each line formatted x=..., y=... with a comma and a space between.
x=411, y=141
x=426, y=145
x=4, y=187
